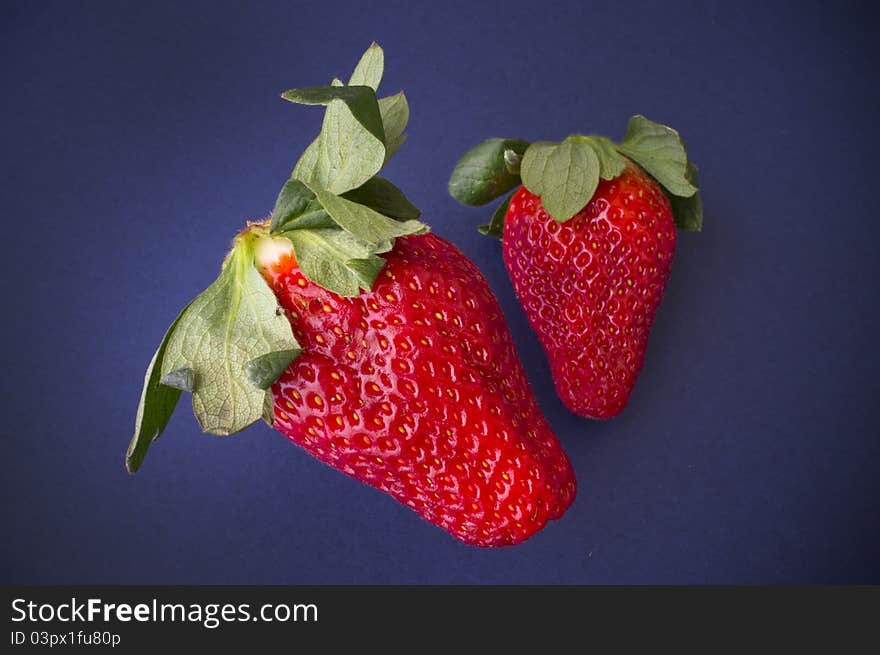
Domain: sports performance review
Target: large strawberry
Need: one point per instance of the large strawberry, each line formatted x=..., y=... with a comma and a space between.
x=377, y=347
x=588, y=242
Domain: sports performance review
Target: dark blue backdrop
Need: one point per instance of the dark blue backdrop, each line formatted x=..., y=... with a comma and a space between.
x=137, y=139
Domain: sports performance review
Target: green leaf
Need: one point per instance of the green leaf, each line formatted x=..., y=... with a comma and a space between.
x=369, y=69
x=308, y=167
x=155, y=408
x=360, y=100
x=482, y=174
x=394, y=145
x=659, y=150
x=315, y=217
x=611, y=164
x=354, y=215
x=565, y=175
x=533, y=164
x=233, y=322
x=395, y=116
x=337, y=261
x=347, y=153
x=362, y=222
x=495, y=227
x=293, y=201
x=366, y=269
x=688, y=212
x=380, y=194
x=265, y=369
x=344, y=155
x=343, y=258
x=268, y=409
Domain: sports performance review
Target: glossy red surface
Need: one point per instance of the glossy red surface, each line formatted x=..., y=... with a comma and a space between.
x=416, y=389
x=591, y=286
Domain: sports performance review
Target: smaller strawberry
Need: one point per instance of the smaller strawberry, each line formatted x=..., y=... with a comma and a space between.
x=588, y=242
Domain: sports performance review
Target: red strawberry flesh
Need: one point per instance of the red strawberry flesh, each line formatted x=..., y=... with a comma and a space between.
x=415, y=388
x=591, y=286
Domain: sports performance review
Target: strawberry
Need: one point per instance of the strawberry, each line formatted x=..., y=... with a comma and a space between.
x=374, y=345
x=415, y=388
x=590, y=286
x=588, y=241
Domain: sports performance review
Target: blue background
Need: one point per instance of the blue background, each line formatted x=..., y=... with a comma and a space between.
x=138, y=137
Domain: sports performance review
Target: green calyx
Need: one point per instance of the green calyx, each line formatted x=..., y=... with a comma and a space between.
x=338, y=214
x=226, y=348
x=487, y=171
x=566, y=174
x=230, y=344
